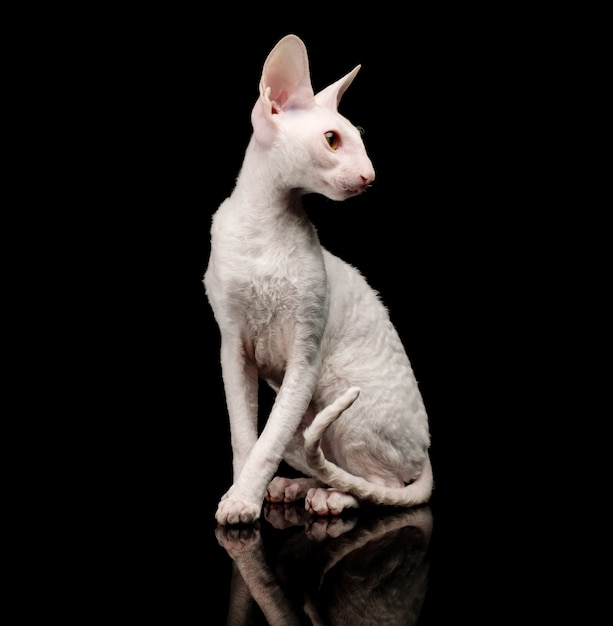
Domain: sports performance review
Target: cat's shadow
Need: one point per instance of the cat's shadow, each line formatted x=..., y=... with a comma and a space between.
x=295, y=569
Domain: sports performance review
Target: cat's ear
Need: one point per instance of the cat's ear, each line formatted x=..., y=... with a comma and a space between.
x=331, y=95
x=285, y=84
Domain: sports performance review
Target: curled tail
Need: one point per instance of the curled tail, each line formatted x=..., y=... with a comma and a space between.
x=418, y=492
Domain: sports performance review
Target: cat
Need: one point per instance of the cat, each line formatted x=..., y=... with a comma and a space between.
x=348, y=413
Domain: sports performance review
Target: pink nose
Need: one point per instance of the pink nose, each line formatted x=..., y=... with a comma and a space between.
x=368, y=175
x=368, y=178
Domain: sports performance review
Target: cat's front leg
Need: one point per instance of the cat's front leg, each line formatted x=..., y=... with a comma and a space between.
x=243, y=502
x=240, y=377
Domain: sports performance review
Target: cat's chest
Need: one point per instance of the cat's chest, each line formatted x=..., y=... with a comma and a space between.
x=271, y=312
x=265, y=283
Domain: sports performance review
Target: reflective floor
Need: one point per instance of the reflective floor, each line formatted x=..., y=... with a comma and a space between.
x=418, y=566
x=460, y=559
x=369, y=568
x=444, y=563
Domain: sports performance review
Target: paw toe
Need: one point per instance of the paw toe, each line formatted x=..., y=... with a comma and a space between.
x=233, y=511
x=320, y=501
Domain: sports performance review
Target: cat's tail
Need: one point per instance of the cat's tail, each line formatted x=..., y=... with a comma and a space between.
x=417, y=492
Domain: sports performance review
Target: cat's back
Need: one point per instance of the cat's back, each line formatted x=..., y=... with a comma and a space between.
x=359, y=328
x=353, y=297
x=362, y=347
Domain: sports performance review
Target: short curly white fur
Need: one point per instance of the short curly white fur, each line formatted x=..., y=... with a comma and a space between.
x=348, y=413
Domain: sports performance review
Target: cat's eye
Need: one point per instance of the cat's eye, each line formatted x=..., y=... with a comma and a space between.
x=333, y=139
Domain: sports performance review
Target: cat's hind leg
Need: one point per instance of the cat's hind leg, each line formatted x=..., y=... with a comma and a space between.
x=324, y=501
x=289, y=489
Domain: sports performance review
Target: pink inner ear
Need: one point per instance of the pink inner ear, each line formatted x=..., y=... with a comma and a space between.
x=286, y=74
x=279, y=101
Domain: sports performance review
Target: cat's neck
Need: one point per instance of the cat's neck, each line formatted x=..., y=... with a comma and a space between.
x=260, y=184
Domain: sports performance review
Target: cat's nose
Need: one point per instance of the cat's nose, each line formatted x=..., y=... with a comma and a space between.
x=368, y=172
x=367, y=179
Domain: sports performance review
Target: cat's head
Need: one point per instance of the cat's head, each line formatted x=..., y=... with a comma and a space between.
x=313, y=146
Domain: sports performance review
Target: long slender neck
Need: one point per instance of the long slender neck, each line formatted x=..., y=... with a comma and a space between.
x=260, y=183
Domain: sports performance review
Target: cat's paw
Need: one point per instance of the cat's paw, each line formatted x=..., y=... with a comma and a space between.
x=289, y=489
x=236, y=510
x=322, y=501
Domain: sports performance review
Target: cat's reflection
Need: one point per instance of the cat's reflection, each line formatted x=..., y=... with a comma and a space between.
x=367, y=569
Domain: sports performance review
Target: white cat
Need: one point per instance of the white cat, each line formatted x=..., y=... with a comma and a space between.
x=305, y=321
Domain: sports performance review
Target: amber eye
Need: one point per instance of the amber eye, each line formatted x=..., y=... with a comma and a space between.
x=332, y=139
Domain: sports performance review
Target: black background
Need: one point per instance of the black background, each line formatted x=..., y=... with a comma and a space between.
x=431, y=236
x=455, y=126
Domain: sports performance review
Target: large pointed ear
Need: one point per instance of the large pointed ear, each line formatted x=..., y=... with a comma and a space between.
x=285, y=84
x=331, y=95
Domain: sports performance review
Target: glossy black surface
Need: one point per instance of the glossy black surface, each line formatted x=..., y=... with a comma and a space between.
x=360, y=569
